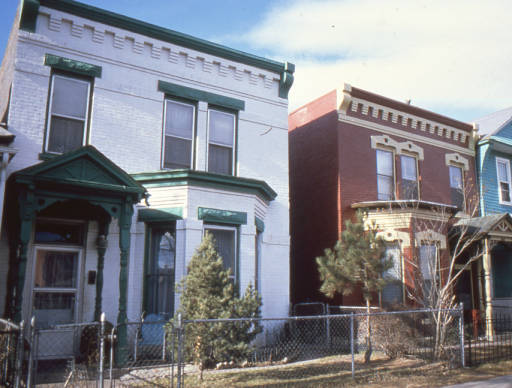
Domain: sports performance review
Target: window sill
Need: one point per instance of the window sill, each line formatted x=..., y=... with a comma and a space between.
x=47, y=156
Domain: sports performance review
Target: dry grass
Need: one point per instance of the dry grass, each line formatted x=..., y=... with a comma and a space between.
x=335, y=372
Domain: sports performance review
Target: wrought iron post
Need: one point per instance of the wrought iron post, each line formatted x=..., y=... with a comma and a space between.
x=31, y=351
x=112, y=338
x=102, y=350
x=461, y=333
x=352, y=342
x=19, y=354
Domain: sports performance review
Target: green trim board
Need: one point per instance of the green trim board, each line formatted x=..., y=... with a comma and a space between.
x=220, y=216
x=72, y=65
x=260, y=225
x=30, y=10
x=169, y=178
x=151, y=215
x=200, y=95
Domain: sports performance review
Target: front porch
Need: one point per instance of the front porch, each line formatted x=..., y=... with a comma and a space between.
x=61, y=214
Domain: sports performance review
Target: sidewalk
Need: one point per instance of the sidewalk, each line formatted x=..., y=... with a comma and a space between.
x=497, y=382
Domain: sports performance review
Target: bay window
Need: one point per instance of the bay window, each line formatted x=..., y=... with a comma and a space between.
x=409, y=177
x=178, y=135
x=385, y=175
x=221, y=140
x=67, y=113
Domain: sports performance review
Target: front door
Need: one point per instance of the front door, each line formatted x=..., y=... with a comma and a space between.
x=56, y=288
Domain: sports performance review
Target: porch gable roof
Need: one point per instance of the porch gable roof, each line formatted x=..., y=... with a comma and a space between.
x=85, y=169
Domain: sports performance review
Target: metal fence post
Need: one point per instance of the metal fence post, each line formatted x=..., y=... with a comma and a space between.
x=19, y=355
x=461, y=333
x=102, y=350
x=180, y=360
x=112, y=338
x=31, y=351
x=352, y=342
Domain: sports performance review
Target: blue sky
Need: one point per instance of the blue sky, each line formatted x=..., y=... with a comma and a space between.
x=452, y=57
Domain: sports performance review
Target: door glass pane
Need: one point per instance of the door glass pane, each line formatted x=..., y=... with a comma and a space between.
x=65, y=134
x=220, y=159
x=179, y=119
x=70, y=97
x=56, y=269
x=222, y=127
x=225, y=245
x=51, y=308
x=50, y=232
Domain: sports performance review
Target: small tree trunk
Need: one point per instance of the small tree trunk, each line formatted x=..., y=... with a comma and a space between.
x=368, y=353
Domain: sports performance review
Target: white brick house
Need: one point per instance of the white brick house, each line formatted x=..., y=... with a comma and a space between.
x=132, y=141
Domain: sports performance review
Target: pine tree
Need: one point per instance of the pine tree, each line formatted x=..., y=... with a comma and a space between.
x=358, y=258
x=207, y=292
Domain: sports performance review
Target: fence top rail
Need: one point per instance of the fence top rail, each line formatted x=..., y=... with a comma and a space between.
x=326, y=316
x=72, y=325
x=9, y=324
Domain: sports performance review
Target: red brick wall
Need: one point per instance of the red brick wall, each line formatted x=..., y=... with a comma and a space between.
x=313, y=192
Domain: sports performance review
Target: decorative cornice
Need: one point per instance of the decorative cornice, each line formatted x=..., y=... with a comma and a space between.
x=71, y=65
x=400, y=148
x=260, y=225
x=221, y=216
x=200, y=95
x=408, y=120
x=285, y=70
x=28, y=15
x=206, y=179
x=456, y=159
x=398, y=132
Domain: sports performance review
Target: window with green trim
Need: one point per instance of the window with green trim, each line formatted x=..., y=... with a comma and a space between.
x=221, y=141
x=178, y=141
x=226, y=245
x=68, y=111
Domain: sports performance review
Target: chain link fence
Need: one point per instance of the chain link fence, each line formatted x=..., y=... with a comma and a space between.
x=313, y=349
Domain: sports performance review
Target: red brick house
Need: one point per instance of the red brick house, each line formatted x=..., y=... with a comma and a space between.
x=405, y=166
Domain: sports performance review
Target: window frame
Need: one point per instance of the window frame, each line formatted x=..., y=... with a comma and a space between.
x=235, y=138
x=416, y=165
x=463, y=183
x=49, y=108
x=193, y=140
x=506, y=162
x=393, y=176
x=235, y=229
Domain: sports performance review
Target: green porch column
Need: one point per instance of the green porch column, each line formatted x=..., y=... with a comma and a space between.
x=101, y=246
x=125, y=222
x=27, y=212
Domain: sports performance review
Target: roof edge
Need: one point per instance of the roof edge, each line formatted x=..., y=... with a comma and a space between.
x=29, y=14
